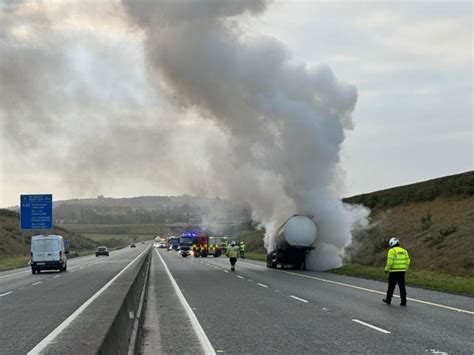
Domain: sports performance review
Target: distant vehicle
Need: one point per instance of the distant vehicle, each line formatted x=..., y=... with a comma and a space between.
x=295, y=239
x=186, y=244
x=156, y=245
x=48, y=253
x=133, y=245
x=162, y=245
x=102, y=251
x=173, y=243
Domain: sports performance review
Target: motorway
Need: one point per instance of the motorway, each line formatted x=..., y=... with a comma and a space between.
x=258, y=310
x=32, y=306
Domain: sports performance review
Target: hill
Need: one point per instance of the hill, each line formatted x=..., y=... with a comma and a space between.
x=433, y=219
x=15, y=246
x=167, y=210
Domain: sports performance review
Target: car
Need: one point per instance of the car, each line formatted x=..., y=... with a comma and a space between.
x=133, y=245
x=48, y=253
x=162, y=245
x=102, y=251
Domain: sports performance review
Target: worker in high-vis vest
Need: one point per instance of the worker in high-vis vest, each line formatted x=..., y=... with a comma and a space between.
x=242, y=250
x=232, y=253
x=398, y=262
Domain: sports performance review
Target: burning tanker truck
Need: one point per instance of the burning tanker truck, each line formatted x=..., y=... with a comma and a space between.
x=294, y=240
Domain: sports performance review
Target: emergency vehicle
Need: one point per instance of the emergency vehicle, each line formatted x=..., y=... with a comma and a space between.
x=201, y=246
x=215, y=247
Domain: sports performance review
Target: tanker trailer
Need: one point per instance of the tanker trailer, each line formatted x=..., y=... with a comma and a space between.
x=294, y=240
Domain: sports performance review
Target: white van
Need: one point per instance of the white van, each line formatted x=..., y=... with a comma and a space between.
x=48, y=253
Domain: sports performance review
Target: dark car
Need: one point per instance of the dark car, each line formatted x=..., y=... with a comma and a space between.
x=133, y=245
x=102, y=251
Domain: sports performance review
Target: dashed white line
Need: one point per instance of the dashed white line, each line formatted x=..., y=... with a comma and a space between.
x=250, y=280
x=371, y=326
x=36, y=283
x=299, y=299
x=215, y=267
x=6, y=293
x=55, y=277
x=240, y=277
x=262, y=285
x=226, y=271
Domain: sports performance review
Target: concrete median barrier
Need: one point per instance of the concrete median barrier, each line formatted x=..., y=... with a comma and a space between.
x=110, y=324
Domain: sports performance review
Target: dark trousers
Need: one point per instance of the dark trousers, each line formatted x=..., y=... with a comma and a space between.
x=393, y=279
x=232, y=260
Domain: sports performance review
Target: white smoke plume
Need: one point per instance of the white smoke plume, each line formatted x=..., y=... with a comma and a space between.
x=205, y=110
x=284, y=122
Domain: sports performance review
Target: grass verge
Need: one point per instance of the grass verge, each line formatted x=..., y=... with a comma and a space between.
x=13, y=263
x=420, y=278
x=256, y=256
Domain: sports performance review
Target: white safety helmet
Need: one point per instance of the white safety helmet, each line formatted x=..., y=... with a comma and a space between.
x=393, y=242
x=232, y=243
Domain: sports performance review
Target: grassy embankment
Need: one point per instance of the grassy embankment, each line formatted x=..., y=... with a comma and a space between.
x=435, y=223
x=15, y=245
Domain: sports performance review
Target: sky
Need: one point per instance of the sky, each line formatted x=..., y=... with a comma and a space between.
x=82, y=113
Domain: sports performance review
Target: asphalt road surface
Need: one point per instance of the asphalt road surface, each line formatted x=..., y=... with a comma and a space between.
x=259, y=310
x=31, y=306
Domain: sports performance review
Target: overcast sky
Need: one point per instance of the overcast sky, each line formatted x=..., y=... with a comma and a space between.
x=79, y=116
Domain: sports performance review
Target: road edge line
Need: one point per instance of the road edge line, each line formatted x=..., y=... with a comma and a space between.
x=460, y=310
x=201, y=335
x=58, y=330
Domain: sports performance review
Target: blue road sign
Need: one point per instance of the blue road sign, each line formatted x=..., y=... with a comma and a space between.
x=36, y=211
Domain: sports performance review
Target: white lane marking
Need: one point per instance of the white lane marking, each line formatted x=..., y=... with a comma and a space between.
x=36, y=283
x=6, y=293
x=240, y=277
x=203, y=339
x=51, y=336
x=16, y=273
x=371, y=326
x=250, y=280
x=366, y=289
x=55, y=277
x=299, y=299
x=226, y=271
x=262, y=285
x=215, y=267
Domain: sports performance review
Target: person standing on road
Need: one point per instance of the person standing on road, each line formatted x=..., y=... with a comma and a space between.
x=242, y=250
x=398, y=262
x=232, y=253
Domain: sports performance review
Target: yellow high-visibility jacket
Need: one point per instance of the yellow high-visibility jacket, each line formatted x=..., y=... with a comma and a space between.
x=397, y=260
x=233, y=251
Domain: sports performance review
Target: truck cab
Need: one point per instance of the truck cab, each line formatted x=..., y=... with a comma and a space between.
x=48, y=253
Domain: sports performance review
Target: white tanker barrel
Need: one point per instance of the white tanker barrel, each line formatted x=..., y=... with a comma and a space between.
x=298, y=231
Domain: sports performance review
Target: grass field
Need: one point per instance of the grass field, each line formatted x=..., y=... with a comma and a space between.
x=13, y=263
x=420, y=278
